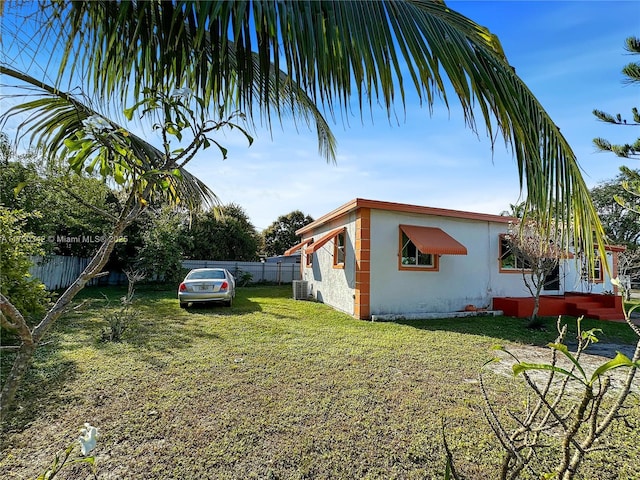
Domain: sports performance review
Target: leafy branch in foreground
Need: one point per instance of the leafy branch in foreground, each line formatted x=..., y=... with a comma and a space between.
x=570, y=412
x=89, y=142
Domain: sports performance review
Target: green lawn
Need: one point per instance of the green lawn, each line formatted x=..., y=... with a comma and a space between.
x=275, y=389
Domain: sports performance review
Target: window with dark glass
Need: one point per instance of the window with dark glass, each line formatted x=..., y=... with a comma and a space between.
x=509, y=260
x=339, y=249
x=411, y=256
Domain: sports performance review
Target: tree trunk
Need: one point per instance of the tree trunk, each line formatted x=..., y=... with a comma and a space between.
x=21, y=364
x=25, y=353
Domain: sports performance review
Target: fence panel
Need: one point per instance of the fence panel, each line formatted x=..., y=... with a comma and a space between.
x=260, y=271
x=57, y=271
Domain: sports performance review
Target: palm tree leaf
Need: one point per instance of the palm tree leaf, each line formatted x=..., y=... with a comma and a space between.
x=55, y=122
x=335, y=50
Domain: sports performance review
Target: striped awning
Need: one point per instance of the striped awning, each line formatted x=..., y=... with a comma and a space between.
x=433, y=240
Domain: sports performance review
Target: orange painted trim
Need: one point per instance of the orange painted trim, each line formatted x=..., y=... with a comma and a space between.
x=297, y=247
x=362, y=246
x=507, y=270
x=600, y=277
x=417, y=268
x=327, y=237
x=337, y=264
x=614, y=248
x=360, y=203
x=511, y=270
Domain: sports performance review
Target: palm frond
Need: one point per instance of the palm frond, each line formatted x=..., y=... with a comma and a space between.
x=336, y=51
x=57, y=122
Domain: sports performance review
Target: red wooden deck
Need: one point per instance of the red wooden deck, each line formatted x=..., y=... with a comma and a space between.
x=591, y=305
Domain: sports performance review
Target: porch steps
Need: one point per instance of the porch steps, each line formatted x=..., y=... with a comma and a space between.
x=599, y=307
x=592, y=308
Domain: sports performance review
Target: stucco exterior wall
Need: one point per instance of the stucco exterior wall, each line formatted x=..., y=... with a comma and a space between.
x=372, y=282
x=461, y=279
x=333, y=286
x=576, y=283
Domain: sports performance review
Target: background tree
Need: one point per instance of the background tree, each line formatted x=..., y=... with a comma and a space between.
x=516, y=210
x=6, y=150
x=632, y=73
x=224, y=234
x=16, y=246
x=160, y=257
x=281, y=234
x=67, y=204
x=621, y=224
x=538, y=256
x=622, y=220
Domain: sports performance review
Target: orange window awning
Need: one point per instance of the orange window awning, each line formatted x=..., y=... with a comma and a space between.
x=323, y=240
x=297, y=247
x=433, y=240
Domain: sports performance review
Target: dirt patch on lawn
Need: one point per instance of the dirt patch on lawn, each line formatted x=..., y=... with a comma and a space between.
x=599, y=354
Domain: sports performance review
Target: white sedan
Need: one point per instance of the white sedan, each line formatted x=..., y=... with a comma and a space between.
x=207, y=285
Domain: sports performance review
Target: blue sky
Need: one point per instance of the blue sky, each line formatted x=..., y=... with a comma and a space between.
x=568, y=53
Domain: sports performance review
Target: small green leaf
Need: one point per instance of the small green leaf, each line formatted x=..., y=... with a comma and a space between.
x=591, y=335
x=222, y=149
x=492, y=360
x=565, y=351
x=18, y=189
x=72, y=144
x=620, y=360
x=128, y=112
x=521, y=367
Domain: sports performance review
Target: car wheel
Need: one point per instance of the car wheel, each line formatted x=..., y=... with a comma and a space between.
x=228, y=303
x=183, y=304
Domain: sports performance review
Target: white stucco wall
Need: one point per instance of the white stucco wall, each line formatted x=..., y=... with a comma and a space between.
x=333, y=286
x=461, y=279
x=575, y=283
x=472, y=279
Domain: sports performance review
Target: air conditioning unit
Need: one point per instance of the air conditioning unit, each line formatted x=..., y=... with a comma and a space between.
x=300, y=289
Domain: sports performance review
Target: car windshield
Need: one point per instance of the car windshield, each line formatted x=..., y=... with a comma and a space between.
x=208, y=274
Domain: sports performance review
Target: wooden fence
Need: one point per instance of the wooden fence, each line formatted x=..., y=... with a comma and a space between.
x=58, y=271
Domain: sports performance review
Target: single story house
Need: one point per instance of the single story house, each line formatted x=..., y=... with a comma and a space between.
x=369, y=258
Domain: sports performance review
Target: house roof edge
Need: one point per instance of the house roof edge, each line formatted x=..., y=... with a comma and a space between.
x=401, y=207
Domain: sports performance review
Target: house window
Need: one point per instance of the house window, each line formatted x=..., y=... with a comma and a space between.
x=597, y=270
x=411, y=257
x=339, y=250
x=509, y=261
x=309, y=259
x=597, y=275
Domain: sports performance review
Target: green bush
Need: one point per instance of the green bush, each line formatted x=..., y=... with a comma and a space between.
x=26, y=293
